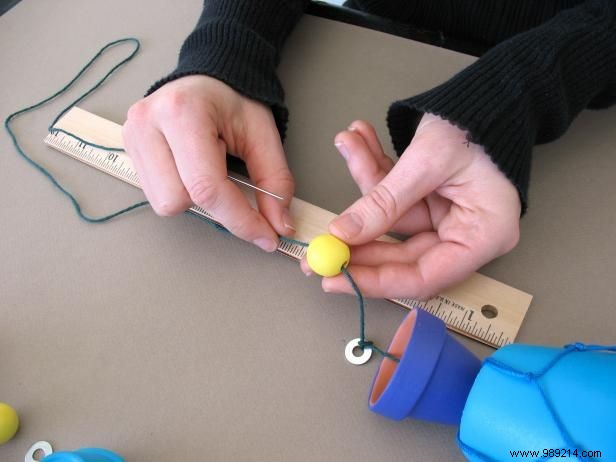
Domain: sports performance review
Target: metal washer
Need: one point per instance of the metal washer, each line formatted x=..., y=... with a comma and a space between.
x=357, y=360
x=43, y=446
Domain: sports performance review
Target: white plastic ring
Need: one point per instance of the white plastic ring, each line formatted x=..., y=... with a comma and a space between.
x=352, y=358
x=38, y=446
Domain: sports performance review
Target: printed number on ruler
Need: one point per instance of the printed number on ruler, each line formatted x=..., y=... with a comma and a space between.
x=481, y=308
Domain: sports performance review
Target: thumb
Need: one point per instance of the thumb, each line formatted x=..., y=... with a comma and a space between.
x=368, y=218
x=411, y=179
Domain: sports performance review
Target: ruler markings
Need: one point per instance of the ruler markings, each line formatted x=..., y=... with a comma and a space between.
x=451, y=310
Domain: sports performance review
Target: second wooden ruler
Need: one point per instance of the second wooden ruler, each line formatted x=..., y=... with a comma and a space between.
x=480, y=307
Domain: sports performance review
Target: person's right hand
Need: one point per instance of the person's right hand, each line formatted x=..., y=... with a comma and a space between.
x=178, y=138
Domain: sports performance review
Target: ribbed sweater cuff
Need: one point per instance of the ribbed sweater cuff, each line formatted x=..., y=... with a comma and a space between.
x=525, y=91
x=501, y=136
x=239, y=43
x=236, y=56
x=471, y=102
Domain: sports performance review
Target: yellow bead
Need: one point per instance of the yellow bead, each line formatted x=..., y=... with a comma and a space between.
x=9, y=423
x=327, y=255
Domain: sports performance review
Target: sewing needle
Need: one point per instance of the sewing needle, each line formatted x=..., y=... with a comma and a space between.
x=245, y=183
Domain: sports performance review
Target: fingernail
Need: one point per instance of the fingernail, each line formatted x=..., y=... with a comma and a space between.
x=287, y=220
x=308, y=273
x=265, y=243
x=342, y=149
x=352, y=128
x=348, y=226
x=326, y=285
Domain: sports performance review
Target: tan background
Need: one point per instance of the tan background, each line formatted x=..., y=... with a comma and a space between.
x=164, y=340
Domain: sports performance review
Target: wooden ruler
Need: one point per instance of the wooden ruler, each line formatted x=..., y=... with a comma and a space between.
x=480, y=308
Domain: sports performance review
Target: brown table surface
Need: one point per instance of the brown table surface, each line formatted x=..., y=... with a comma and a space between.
x=164, y=340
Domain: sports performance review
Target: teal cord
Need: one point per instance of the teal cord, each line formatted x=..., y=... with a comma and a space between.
x=55, y=130
x=52, y=129
x=217, y=226
x=363, y=343
x=95, y=58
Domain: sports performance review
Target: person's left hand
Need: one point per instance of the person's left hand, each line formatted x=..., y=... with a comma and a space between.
x=446, y=193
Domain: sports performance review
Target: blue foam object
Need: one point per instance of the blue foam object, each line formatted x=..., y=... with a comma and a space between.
x=433, y=378
x=84, y=455
x=521, y=389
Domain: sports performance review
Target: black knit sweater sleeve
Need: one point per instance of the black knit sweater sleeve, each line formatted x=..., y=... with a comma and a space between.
x=239, y=42
x=526, y=90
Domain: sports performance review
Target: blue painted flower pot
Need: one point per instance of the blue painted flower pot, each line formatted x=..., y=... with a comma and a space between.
x=433, y=378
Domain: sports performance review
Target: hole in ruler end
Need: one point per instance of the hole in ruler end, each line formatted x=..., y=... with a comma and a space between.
x=489, y=311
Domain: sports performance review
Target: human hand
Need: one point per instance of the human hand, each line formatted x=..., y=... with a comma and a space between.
x=446, y=193
x=178, y=138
